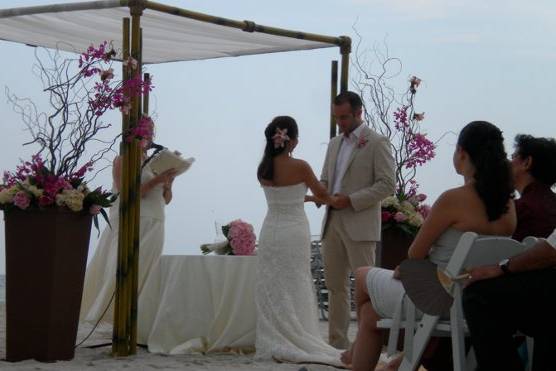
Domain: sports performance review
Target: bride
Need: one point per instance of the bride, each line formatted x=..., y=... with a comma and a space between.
x=287, y=320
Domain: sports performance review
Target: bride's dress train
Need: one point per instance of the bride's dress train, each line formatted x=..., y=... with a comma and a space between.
x=287, y=317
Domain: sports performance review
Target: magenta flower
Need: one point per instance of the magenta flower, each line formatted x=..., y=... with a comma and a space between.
x=46, y=200
x=22, y=200
x=386, y=216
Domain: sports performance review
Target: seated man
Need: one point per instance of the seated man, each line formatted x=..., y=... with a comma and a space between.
x=534, y=174
x=518, y=294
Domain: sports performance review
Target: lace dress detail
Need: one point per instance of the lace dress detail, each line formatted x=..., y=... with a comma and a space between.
x=287, y=317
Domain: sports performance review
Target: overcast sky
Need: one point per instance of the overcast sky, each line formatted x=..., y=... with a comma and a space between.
x=478, y=60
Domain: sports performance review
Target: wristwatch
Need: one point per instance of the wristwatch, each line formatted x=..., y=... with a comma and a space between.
x=504, y=265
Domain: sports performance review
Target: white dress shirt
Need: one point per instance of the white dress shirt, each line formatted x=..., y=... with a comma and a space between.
x=552, y=239
x=346, y=149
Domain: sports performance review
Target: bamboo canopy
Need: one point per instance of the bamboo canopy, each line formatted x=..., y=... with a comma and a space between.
x=156, y=33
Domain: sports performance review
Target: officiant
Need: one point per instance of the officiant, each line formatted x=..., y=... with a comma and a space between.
x=100, y=278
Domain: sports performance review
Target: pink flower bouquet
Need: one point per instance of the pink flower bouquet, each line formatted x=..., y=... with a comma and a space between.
x=240, y=240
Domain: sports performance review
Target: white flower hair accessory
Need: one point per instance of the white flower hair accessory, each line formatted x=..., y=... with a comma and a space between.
x=280, y=138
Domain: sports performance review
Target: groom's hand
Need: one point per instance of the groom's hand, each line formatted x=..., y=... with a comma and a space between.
x=310, y=198
x=340, y=201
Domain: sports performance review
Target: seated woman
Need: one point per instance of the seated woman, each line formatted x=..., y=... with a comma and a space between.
x=534, y=175
x=483, y=205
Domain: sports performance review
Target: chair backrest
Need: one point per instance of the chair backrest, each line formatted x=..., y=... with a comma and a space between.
x=474, y=250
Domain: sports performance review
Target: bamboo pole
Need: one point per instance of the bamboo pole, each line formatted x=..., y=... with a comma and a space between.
x=333, y=93
x=247, y=26
x=118, y=334
x=135, y=196
x=147, y=79
x=137, y=207
x=345, y=49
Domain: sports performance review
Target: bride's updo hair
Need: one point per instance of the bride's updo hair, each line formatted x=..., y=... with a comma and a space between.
x=484, y=144
x=278, y=134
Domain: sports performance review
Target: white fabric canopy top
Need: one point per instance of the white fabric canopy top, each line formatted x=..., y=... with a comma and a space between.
x=166, y=37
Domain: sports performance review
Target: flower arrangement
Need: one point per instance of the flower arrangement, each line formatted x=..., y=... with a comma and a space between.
x=407, y=214
x=394, y=116
x=80, y=92
x=34, y=186
x=240, y=240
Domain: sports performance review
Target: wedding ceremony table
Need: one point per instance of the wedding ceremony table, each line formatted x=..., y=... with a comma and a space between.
x=198, y=304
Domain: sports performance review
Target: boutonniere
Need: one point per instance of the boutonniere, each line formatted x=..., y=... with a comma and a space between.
x=362, y=142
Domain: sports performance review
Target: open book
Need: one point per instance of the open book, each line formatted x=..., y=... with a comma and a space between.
x=167, y=159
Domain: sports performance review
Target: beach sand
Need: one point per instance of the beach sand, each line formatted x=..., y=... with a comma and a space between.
x=101, y=359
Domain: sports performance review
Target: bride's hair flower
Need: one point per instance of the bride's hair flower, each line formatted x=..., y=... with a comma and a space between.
x=280, y=137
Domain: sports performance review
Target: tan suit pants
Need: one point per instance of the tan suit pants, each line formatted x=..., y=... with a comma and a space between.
x=341, y=256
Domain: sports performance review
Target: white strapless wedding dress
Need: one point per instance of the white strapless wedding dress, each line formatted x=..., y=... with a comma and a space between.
x=287, y=317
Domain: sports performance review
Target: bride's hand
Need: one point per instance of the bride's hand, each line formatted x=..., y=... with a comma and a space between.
x=311, y=198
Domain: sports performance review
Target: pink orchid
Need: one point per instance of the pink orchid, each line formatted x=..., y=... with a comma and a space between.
x=107, y=74
x=280, y=138
x=415, y=82
x=419, y=116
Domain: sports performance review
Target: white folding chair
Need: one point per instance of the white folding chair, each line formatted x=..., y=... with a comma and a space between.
x=471, y=251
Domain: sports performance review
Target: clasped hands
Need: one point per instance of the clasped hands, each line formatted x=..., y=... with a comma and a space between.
x=338, y=201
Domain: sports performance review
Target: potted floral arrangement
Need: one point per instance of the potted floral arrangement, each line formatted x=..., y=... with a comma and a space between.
x=394, y=116
x=240, y=240
x=48, y=205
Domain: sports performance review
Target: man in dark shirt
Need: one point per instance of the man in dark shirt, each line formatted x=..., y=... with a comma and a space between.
x=534, y=172
x=518, y=294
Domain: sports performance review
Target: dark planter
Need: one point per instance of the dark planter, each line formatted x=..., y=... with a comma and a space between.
x=392, y=249
x=46, y=256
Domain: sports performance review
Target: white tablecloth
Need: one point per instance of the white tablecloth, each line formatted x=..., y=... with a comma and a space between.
x=198, y=303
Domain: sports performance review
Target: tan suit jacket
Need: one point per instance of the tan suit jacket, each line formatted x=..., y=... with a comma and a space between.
x=369, y=178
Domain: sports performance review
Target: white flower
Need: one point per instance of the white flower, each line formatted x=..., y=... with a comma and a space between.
x=83, y=188
x=35, y=191
x=391, y=201
x=72, y=198
x=407, y=207
x=415, y=219
x=60, y=199
x=7, y=194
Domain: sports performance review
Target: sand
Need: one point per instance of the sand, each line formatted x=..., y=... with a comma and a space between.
x=101, y=359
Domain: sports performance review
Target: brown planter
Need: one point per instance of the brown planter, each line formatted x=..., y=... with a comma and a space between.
x=46, y=256
x=392, y=249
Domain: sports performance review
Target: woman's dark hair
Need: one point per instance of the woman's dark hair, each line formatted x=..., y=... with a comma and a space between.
x=484, y=144
x=266, y=167
x=543, y=154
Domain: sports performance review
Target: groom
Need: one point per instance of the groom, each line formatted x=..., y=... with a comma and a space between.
x=359, y=170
